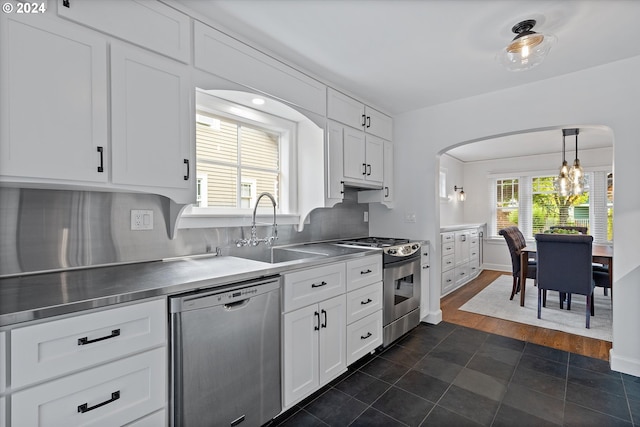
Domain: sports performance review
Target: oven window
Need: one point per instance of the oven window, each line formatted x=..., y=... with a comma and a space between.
x=403, y=289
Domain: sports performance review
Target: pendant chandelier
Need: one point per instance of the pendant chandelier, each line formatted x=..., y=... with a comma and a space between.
x=576, y=173
x=569, y=181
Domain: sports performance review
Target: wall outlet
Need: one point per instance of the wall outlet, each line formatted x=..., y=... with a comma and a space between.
x=366, y=216
x=409, y=217
x=141, y=219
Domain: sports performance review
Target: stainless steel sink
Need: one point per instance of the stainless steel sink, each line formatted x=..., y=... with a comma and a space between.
x=297, y=252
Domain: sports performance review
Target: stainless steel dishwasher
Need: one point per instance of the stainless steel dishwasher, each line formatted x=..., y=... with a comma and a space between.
x=225, y=355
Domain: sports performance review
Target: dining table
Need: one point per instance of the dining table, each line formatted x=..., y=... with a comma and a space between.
x=600, y=253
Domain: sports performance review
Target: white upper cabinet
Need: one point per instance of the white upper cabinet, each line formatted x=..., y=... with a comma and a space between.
x=352, y=112
x=224, y=56
x=53, y=119
x=147, y=23
x=151, y=124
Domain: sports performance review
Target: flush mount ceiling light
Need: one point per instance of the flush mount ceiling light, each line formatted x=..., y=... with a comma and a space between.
x=528, y=48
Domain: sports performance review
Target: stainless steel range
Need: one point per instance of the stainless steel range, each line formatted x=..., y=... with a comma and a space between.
x=401, y=284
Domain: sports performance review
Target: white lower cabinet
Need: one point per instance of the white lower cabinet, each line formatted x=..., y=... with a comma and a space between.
x=460, y=257
x=314, y=347
x=111, y=394
x=153, y=420
x=364, y=336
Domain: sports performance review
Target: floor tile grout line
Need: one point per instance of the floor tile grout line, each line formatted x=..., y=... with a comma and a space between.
x=515, y=368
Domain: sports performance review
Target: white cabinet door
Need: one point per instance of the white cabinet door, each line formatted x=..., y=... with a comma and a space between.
x=355, y=164
x=378, y=124
x=333, y=353
x=364, y=336
x=462, y=247
x=53, y=108
x=364, y=271
x=345, y=109
x=335, y=161
x=151, y=123
x=147, y=23
x=388, y=190
x=300, y=353
x=374, y=159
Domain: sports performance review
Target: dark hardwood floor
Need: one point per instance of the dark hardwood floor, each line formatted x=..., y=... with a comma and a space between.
x=547, y=337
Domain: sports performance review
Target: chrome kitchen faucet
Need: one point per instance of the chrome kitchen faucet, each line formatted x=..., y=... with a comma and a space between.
x=253, y=240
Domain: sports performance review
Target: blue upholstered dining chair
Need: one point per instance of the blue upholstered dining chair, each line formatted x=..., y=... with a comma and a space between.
x=516, y=242
x=564, y=265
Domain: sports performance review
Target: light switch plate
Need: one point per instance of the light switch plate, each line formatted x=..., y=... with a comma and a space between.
x=141, y=219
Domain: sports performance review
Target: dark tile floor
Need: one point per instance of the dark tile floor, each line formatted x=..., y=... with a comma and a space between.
x=451, y=375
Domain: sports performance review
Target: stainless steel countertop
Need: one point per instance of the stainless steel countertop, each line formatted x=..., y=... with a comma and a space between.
x=38, y=296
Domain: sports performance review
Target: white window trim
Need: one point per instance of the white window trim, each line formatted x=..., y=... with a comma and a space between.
x=200, y=217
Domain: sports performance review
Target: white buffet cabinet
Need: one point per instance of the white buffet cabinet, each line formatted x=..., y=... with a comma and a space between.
x=460, y=252
x=332, y=316
x=102, y=367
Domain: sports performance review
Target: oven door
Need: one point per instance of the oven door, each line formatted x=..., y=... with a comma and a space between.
x=401, y=284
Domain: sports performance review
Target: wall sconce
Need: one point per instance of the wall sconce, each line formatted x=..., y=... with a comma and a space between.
x=461, y=195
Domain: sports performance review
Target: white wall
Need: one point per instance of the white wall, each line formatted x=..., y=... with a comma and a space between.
x=605, y=95
x=452, y=210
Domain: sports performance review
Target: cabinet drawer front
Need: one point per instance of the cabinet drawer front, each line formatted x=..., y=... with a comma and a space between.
x=447, y=237
x=364, y=271
x=462, y=274
x=58, y=347
x=448, y=262
x=474, y=252
x=448, y=280
x=127, y=389
x=157, y=419
x=364, y=336
x=305, y=287
x=363, y=302
x=448, y=248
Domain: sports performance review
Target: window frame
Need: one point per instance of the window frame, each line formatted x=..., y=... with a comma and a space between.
x=287, y=129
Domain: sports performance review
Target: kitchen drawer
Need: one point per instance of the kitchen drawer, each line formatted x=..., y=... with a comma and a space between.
x=474, y=269
x=448, y=280
x=474, y=252
x=364, y=336
x=363, y=302
x=306, y=287
x=448, y=262
x=447, y=237
x=140, y=381
x=448, y=248
x=58, y=347
x=157, y=419
x=462, y=274
x=364, y=271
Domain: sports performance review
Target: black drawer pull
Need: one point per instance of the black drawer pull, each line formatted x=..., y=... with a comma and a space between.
x=316, y=285
x=366, y=302
x=101, y=151
x=367, y=271
x=186, y=177
x=85, y=340
x=86, y=408
x=364, y=337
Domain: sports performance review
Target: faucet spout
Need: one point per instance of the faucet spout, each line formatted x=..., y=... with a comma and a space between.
x=253, y=240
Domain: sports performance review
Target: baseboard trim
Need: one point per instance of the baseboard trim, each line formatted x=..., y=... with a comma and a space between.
x=624, y=364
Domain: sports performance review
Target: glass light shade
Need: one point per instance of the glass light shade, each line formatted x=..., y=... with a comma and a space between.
x=526, y=52
x=462, y=197
x=576, y=177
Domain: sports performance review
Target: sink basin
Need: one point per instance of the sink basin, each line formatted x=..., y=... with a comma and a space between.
x=278, y=255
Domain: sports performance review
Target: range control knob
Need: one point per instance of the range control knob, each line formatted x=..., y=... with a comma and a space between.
x=392, y=251
x=415, y=246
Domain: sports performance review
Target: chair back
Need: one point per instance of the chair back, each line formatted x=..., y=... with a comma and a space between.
x=564, y=262
x=577, y=228
x=515, y=242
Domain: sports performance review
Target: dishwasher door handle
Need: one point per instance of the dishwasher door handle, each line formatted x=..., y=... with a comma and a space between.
x=237, y=304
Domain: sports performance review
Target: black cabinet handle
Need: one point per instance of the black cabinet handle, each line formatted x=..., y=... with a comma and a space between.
x=386, y=191
x=86, y=340
x=342, y=183
x=317, y=328
x=425, y=266
x=364, y=169
x=317, y=285
x=367, y=271
x=186, y=177
x=368, y=170
x=324, y=313
x=364, y=337
x=364, y=120
x=86, y=408
x=366, y=302
x=368, y=121
x=101, y=151
x=65, y=3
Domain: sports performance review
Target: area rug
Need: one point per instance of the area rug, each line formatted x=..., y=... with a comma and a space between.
x=494, y=301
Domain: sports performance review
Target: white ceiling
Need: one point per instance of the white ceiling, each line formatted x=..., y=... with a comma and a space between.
x=401, y=55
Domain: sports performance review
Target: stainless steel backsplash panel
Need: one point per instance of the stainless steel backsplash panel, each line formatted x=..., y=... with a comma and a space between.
x=42, y=230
